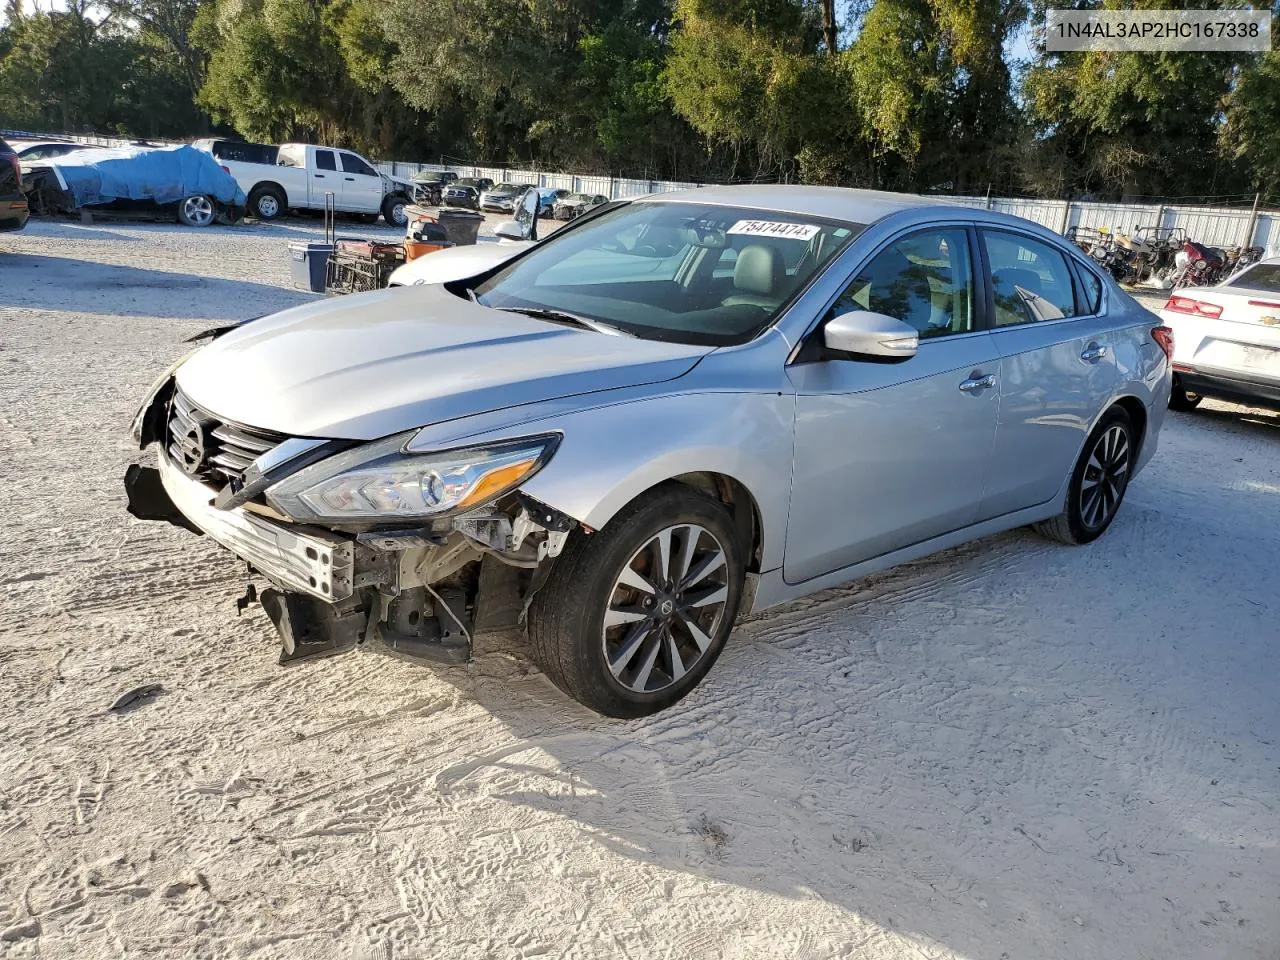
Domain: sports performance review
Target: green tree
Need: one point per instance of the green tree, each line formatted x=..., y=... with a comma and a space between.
x=1250, y=136
x=1121, y=124
x=73, y=69
x=934, y=91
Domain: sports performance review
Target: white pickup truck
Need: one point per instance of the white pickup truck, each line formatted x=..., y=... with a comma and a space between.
x=296, y=176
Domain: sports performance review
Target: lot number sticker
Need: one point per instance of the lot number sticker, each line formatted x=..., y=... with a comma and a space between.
x=771, y=228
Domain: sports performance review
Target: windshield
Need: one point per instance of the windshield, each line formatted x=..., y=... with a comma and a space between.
x=673, y=271
x=1261, y=276
x=507, y=187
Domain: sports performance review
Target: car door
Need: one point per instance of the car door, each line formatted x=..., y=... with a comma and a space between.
x=891, y=454
x=325, y=178
x=1057, y=365
x=361, y=185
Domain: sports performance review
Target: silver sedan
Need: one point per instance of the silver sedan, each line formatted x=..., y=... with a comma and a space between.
x=672, y=412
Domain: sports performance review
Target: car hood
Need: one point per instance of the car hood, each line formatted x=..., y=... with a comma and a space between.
x=366, y=366
x=456, y=263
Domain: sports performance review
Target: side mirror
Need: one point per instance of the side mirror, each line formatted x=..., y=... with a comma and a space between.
x=509, y=230
x=527, y=214
x=862, y=334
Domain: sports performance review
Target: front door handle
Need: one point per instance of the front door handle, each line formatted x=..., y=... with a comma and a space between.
x=976, y=382
x=320, y=176
x=1093, y=353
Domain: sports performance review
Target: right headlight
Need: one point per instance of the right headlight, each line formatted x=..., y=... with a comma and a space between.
x=382, y=482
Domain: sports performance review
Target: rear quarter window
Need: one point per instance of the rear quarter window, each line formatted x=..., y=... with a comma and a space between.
x=1261, y=276
x=1090, y=290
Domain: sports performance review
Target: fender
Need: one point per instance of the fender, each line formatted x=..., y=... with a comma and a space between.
x=744, y=436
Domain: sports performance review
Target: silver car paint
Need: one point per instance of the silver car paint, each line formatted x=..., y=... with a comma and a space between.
x=729, y=413
x=374, y=364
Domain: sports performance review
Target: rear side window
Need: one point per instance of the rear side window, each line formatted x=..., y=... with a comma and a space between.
x=325, y=161
x=1261, y=276
x=1091, y=290
x=1030, y=279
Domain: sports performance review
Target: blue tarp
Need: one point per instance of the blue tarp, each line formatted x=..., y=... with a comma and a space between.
x=164, y=175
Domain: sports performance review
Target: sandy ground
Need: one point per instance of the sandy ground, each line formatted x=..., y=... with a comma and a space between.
x=1011, y=750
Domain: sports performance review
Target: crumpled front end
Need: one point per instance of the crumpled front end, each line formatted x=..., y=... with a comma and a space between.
x=418, y=587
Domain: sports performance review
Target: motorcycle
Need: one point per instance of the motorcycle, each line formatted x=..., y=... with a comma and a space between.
x=1197, y=265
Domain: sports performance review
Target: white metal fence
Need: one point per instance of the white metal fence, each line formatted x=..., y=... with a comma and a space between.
x=1215, y=226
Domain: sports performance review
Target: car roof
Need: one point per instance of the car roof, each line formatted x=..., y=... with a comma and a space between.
x=840, y=203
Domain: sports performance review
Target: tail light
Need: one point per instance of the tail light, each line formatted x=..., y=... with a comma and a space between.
x=17, y=169
x=1196, y=308
x=1164, y=337
x=225, y=168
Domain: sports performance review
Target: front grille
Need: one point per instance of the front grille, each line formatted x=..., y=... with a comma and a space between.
x=213, y=450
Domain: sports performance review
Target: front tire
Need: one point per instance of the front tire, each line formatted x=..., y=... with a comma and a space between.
x=1098, y=482
x=633, y=617
x=1181, y=400
x=393, y=210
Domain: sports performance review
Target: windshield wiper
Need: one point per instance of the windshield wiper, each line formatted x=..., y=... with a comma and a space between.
x=560, y=316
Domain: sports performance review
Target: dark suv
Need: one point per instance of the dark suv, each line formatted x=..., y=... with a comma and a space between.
x=13, y=203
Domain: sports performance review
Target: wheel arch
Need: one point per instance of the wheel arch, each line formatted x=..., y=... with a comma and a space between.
x=740, y=503
x=269, y=185
x=1137, y=411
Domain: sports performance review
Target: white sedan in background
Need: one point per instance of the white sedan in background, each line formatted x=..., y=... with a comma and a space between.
x=1227, y=339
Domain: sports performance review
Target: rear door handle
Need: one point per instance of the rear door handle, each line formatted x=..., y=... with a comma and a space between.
x=1093, y=353
x=349, y=179
x=976, y=382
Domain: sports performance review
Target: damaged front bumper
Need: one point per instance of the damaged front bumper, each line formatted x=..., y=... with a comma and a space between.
x=301, y=559
x=418, y=593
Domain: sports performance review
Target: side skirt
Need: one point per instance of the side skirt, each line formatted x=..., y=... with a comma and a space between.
x=773, y=590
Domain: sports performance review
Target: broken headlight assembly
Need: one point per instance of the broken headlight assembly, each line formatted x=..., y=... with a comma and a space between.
x=382, y=483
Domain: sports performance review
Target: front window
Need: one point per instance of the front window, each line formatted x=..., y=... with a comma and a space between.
x=1261, y=276
x=923, y=279
x=353, y=164
x=683, y=272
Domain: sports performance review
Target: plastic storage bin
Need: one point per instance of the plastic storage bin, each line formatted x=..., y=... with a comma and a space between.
x=461, y=226
x=310, y=264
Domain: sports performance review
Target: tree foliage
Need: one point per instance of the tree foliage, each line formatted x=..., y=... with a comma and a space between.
x=899, y=94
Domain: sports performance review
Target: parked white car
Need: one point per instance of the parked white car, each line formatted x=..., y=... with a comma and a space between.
x=1227, y=339
x=303, y=173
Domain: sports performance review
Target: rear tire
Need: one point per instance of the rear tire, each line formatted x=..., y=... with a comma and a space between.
x=197, y=211
x=1181, y=400
x=1098, y=482
x=266, y=203
x=668, y=626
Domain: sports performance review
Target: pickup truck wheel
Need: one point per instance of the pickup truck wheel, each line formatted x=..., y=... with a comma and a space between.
x=632, y=617
x=196, y=211
x=266, y=203
x=393, y=210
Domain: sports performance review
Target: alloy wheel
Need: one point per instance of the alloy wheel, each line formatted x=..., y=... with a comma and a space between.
x=1105, y=476
x=666, y=605
x=198, y=211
